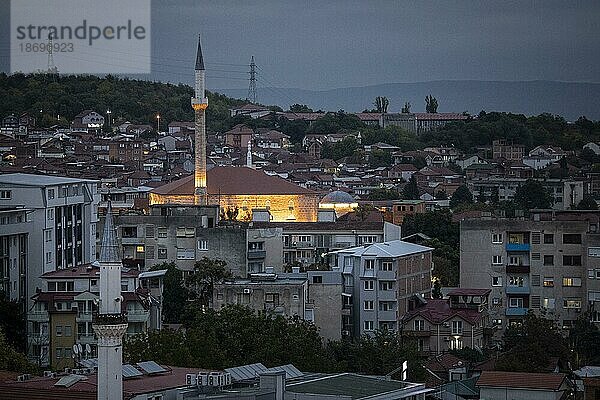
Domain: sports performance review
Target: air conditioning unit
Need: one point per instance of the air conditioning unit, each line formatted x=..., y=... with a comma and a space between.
x=191, y=379
x=247, y=291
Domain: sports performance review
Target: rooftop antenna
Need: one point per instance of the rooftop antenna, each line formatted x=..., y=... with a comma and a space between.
x=252, y=86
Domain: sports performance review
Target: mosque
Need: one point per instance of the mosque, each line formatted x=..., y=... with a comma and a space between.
x=233, y=188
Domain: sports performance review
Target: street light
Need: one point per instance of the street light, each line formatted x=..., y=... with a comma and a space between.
x=158, y=122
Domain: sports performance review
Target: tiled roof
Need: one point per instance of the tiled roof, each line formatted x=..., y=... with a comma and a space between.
x=234, y=180
x=437, y=311
x=521, y=380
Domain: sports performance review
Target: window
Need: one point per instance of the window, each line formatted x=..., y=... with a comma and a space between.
x=496, y=260
x=496, y=238
x=50, y=214
x=548, y=238
x=574, y=302
x=150, y=252
x=162, y=232
x=419, y=325
x=368, y=305
x=48, y=235
x=59, y=330
x=58, y=352
x=48, y=257
x=181, y=232
x=571, y=282
x=50, y=194
x=185, y=254
x=368, y=325
x=548, y=260
x=572, y=238
x=369, y=265
x=369, y=285
x=317, y=279
x=548, y=281
x=497, y=322
x=203, y=245
x=386, y=285
x=388, y=305
x=129, y=231
x=515, y=302
x=5, y=194
x=572, y=260
x=68, y=330
x=256, y=246
x=272, y=298
x=497, y=301
x=149, y=231
x=516, y=281
x=190, y=232
x=496, y=281
x=457, y=327
x=139, y=249
x=386, y=266
x=162, y=253
x=548, y=303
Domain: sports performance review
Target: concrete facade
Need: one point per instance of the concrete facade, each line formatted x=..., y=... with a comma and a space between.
x=14, y=241
x=61, y=221
x=548, y=264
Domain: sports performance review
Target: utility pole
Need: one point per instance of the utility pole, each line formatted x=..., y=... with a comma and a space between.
x=252, y=86
x=51, y=68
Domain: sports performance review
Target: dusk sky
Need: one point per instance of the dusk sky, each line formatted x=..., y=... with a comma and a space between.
x=329, y=44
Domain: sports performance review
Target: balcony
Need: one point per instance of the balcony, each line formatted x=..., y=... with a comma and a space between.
x=86, y=338
x=517, y=269
x=517, y=289
x=256, y=254
x=84, y=316
x=386, y=315
x=518, y=247
x=516, y=311
x=303, y=245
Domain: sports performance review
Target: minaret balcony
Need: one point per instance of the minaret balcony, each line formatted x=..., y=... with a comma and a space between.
x=109, y=319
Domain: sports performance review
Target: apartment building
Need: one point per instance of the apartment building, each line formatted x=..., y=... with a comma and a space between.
x=549, y=263
x=379, y=279
x=62, y=313
x=275, y=244
x=60, y=220
x=459, y=321
x=14, y=240
x=315, y=296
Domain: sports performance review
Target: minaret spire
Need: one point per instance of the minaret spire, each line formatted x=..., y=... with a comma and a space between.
x=109, y=253
x=199, y=104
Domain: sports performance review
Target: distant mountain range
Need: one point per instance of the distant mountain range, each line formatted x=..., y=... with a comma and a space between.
x=568, y=99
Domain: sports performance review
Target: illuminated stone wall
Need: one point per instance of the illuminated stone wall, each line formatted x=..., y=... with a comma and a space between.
x=283, y=207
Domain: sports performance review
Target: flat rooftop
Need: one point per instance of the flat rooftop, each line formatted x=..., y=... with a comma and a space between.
x=39, y=180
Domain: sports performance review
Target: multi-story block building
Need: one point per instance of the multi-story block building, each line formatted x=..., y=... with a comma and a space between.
x=547, y=264
x=62, y=313
x=454, y=323
x=14, y=240
x=315, y=296
x=278, y=243
x=501, y=148
x=379, y=279
x=62, y=216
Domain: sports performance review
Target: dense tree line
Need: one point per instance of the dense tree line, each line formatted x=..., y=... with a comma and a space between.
x=236, y=335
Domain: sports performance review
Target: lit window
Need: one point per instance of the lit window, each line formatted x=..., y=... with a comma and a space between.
x=548, y=281
x=570, y=281
x=139, y=249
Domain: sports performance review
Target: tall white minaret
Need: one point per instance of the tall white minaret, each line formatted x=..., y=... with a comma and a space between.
x=110, y=323
x=199, y=104
x=249, y=154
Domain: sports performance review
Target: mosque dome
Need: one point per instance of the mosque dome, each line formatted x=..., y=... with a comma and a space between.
x=337, y=197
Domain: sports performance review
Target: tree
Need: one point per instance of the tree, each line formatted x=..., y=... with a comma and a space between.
x=411, y=190
x=175, y=294
x=436, y=291
x=383, y=194
x=532, y=194
x=381, y=104
x=208, y=272
x=406, y=108
x=587, y=203
x=441, y=195
x=380, y=158
x=13, y=323
x=431, y=104
x=462, y=195
x=300, y=108
x=584, y=339
x=11, y=359
x=530, y=345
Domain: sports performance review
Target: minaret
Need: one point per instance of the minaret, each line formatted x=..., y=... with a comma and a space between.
x=199, y=104
x=249, y=154
x=110, y=323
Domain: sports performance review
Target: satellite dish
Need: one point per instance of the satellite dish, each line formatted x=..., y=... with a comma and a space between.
x=75, y=349
x=80, y=348
x=88, y=348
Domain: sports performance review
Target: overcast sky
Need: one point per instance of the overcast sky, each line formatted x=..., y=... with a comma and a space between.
x=328, y=44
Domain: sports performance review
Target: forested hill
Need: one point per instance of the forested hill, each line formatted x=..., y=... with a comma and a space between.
x=137, y=101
